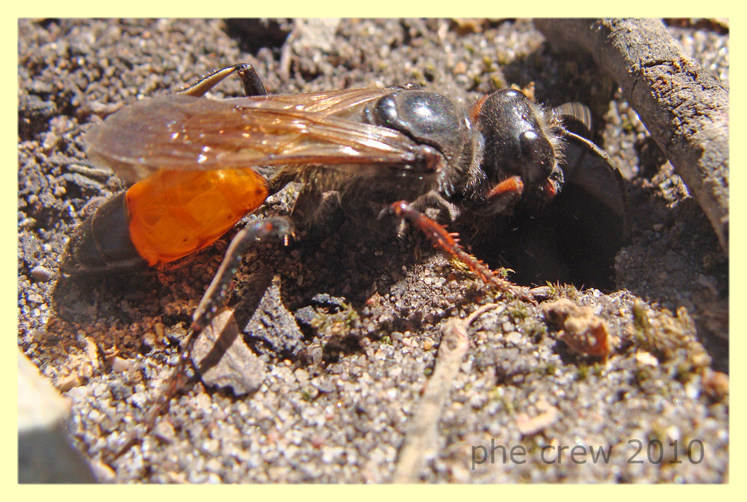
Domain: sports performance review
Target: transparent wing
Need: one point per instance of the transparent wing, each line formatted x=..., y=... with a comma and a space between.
x=183, y=132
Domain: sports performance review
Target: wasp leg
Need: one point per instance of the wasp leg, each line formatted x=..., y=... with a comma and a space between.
x=448, y=243
x=277, y=228
x=313, y=207
x=436, y=200
x=280, y=180
x=253, y=85
x=263, y=230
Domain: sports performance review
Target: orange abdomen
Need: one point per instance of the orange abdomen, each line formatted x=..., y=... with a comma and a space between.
x=175, y=213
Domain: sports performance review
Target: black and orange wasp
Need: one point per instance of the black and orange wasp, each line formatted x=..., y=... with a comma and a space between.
x=200, y=165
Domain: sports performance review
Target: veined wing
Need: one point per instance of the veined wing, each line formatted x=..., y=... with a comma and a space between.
x=181, y=132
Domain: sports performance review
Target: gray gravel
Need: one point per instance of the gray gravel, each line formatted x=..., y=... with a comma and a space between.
x=344, y=325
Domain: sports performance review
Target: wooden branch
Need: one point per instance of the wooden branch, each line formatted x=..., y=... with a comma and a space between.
x=684, y=108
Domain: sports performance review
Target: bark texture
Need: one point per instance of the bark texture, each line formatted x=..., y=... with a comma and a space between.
x=684, y=108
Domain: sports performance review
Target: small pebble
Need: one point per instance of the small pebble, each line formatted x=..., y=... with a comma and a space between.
x=120, y=365
x=42, y=273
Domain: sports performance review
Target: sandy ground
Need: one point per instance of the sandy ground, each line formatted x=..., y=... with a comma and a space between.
x=342, y=329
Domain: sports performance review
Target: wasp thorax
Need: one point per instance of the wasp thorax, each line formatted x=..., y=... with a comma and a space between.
x=428, y=119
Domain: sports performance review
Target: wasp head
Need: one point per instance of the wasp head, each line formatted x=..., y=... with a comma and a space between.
x=521, y=149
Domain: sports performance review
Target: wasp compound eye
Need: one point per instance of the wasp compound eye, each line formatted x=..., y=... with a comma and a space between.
x=516, y=142
x=537, y=157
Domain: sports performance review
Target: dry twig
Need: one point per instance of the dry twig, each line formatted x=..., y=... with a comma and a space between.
x=684, y=108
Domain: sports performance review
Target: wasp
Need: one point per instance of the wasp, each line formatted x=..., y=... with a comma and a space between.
x=200, y=165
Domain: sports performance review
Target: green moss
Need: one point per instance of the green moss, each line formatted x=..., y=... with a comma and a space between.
x=535, y=330
x=582, y=372
x=335, y=323
x=518, y=311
